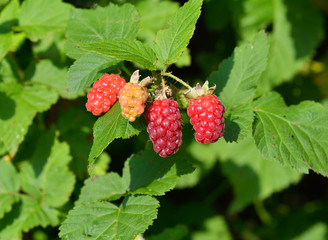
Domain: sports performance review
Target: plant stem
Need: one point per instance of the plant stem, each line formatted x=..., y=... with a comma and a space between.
x=177, y=79
x=263, y=214
x=124, y=68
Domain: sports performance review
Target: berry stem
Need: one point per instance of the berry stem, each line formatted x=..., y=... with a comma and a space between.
x=163, y=86
x=124, y=68
x=177, y=79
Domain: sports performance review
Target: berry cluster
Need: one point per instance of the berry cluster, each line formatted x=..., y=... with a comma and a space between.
x=104, y=93
x=162, y=116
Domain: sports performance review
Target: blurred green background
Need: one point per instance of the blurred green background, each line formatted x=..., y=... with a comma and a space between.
x=234, y=192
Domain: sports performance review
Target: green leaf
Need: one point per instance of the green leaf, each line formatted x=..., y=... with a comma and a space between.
x=154, y=16
x=75, y=127
x=249, y=61
x=215, y=228
x=8, y=19
x=178, y=232
x=9, y=70
x=107, y=187
x=318, y=231
x=124, y=49
x=238, y=123
x=38, y=175
x=84, y=70
x=148, y=173
x=46, y=73
x=32, y=214
x=257, y=15
x=171, y=42
x=9, y=186
x=98, y=24
x=293, y=41
x=21, y=105
x=252, y=176
x=296, y=136
x=102, y=164
x=236, y=82
x=108, y=127
x=52, y=15
x=104, y=220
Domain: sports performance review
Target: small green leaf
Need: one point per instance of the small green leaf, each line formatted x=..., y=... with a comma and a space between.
x=108, y=127
x=124, y=49
x=99, y=24
x=21, y=105
x=36, y=26
x=9, y=186
x=296, y=136
x=32, y=214
x=215, y=228
x=171, y=42
x=108, y=187
x=178, y=232
x=84, y=70
x=104, y=220
x=148, y=173
x=249, y=61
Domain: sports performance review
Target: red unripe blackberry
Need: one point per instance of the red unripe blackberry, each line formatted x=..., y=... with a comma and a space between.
x=132, y=98
x=164, y=126
x=206, y=116
x=104, y=93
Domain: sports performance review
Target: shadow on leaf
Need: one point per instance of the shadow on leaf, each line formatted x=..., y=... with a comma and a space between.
x=8, y=107
x=231, y=130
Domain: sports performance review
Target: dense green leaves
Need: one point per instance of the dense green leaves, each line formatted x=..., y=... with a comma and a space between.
x=98, y=24
x=45, y=184
x=171, y=42
x=293, y=41
x=104, y=220
x=124, y=49
x=252, y=176
x=296, y=136
x=84, y=70
x=108, y=127
x=52, y=15
x=31, y=214
x=20, y=106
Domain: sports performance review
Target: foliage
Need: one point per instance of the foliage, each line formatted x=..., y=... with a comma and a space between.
x=267, y=60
